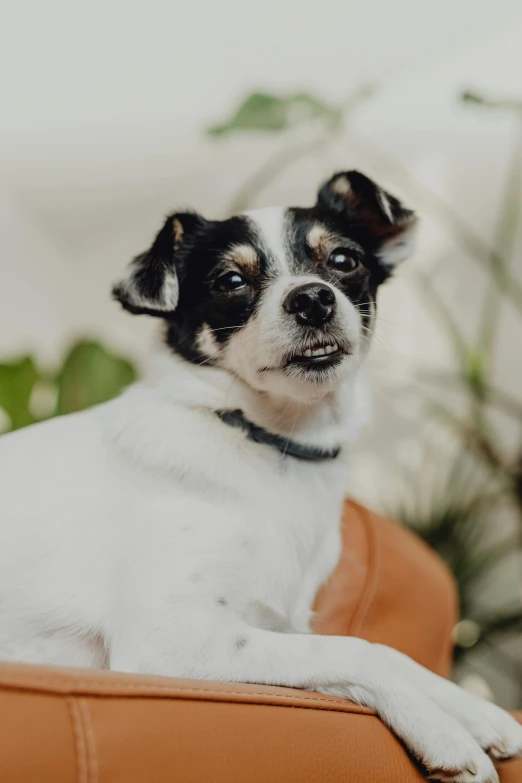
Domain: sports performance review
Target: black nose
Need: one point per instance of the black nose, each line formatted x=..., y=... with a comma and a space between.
x=313, y=304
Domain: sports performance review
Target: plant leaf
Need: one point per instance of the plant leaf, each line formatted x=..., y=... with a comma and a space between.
x=261, y=111
x=17, y=380
x=90, y=375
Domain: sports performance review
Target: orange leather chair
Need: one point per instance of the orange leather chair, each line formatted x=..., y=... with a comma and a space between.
x=75, y=726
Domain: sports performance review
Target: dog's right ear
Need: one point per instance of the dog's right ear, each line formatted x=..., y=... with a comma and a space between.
x=382, y=219
x=151, y=283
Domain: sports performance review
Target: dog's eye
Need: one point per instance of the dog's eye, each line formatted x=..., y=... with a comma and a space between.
x=343, y=260
x=231, y=281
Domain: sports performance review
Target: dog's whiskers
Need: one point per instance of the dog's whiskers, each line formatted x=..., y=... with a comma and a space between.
x=224, y=328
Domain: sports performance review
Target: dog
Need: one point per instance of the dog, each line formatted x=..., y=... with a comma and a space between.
x=185, y=527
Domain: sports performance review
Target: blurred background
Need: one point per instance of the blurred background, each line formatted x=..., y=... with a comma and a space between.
x=114, y=114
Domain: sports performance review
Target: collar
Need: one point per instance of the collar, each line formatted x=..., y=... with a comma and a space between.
x=287, y=446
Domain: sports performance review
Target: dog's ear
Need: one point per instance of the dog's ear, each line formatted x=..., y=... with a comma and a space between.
x=378, y=217
x=150, y=285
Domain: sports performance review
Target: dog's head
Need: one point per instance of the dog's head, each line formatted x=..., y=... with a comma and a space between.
x=283, y=298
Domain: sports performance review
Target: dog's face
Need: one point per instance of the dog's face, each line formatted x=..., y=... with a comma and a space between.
x=283, y=298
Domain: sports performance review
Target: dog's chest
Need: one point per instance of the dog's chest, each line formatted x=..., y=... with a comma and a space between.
x=249, y=539
x=212, y=516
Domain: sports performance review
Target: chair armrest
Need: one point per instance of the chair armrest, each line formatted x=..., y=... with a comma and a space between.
x=77, y=726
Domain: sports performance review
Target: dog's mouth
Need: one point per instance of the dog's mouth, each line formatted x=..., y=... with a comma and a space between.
x=320, y=354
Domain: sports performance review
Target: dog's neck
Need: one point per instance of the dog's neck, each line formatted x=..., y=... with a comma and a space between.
x=327, y=421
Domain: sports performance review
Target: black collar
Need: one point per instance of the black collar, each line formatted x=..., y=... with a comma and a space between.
x=286, y=446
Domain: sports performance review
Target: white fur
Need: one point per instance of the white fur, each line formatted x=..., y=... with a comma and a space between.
x=147, y=536
x=207, y=342
x=271, y=222
x=394, y=251
x=385, y=204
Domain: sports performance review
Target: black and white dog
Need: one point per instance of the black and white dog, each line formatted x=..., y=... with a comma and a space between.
x=185, y=527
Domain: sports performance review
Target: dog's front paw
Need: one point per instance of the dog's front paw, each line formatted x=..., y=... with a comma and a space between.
x=473, y=767
x=483, y=773
x=451, y=755
x=497, y=732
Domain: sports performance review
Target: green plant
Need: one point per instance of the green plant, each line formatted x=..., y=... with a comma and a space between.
x=267, y=112
x=89, y=374
x=477, y=419
x=17, y=381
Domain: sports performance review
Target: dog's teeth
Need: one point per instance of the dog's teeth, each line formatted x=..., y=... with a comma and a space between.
x=324, y=350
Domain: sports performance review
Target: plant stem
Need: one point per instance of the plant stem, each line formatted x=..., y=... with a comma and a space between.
x=280, y=161
x=447, y=320
x=504, y=241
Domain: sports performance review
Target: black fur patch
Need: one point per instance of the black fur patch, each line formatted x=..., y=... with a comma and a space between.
x=354, y=214
x=375, y=216
x=145, y=294
x=199, y=303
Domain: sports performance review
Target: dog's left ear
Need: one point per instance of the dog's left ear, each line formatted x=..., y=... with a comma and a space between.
x=380, y=219
x=151, y=283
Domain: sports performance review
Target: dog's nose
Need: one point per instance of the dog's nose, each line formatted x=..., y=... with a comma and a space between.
x=313, y=304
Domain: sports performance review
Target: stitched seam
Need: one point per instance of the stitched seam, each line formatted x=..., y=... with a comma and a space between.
x=79, y=741
x=142, y=687
x=375, y=566
x=368, y=594
x=90, y=744
x=445, y=643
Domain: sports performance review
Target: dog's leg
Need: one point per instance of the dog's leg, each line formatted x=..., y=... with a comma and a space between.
x=493, y=728
x=348, y=667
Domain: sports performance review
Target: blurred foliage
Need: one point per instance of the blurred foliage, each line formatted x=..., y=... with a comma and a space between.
x=459, y=523
x=457, y=513
x=318, y=121
x=17, y=380
x=451, y=504
x=262, y=111
x=88, y=375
